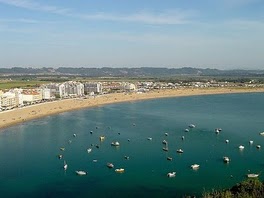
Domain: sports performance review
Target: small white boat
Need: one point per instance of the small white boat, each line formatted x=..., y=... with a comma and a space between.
x=261, y=133
x=94, y=160
x=172, y=174
x=126, y=157
x=217, y=131
x=169, y=158
x=62, y=149
x=195, y=166
x=252, y=175
x=110, y=165
x=179, y=151
x=74, y=135
x=164, y=142
x=81, y=173
x=192, y=126
x=258, y=146
x=182, y=137
x=115, y=144
x=149, y=138
x=166, y=134
x=65, y=166
x=119, y=170
x=89, y=150
x=60, y=156
x=165, y=149
x=241, y=147
x=227, y=141
x=226, y=159
x=251, y=142
x=186, y=130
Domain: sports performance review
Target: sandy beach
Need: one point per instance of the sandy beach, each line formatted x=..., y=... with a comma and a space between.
x=19, y=115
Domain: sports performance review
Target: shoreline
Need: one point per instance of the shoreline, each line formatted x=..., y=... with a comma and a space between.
x=20, y=115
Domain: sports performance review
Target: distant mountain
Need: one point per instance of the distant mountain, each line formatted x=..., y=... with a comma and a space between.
x=128, y=72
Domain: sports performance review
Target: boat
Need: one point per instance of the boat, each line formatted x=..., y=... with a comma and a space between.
x=62, y=149
x=65, y=166
x=164, y=142
x=251, y=142
x=89, y=150
x=74, y=135
x=241, y=147
x=217, y=131
x=195, y=166
x=226, y=159
x=166, y=134
x=126, y=157
x=94, y=160
x=102, y=138
x=169, y=158
x=179, y=151
x=252, y=175
x=91, y=132
x=81, y=173
x=110, y=165
x=227, y=141
x=258, y=146
x=165, y=149
x=60, y=156
x=192, y=126
x=119, y=170
x=115, y=144
x=261, y=133
x=182, y=137
x=172, y=174
x=149, y=138
x=97, y=146
x=186, y=130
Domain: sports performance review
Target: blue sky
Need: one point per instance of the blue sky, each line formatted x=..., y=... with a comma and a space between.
x=222, y=34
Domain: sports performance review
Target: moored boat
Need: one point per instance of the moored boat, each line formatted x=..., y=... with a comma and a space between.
x=258, y=146
x=169, y=158
x=252, y=175
x=261, y=133
x=110, y=165
x=65, y=166
x=119, y=170
x=241, y=147
x=115, y=143
x=102, y=138
x=192, y=126
x=172, y=174
x=195, y=166
x=80, y=172
x=226, y=159
x=179, y=151
x=164, y=142
x=89, y=150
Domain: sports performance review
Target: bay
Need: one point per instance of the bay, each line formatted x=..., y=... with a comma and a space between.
x=29, y=164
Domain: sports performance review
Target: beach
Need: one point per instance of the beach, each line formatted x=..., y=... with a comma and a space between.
x=19, y=115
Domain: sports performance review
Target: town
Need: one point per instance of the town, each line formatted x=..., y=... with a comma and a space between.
x=20, y=97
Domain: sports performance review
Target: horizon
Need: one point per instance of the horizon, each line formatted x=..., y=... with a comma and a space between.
x=224, y=34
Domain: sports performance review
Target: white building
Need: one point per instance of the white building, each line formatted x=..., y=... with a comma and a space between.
x=93, y=87
x=129, y=87
x=46, y=94
x=31, y=96
x=9, y=100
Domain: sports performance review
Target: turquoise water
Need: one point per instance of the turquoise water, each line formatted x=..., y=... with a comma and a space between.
x=29, y=166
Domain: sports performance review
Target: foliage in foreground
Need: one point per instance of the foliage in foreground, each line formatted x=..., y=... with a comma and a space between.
x=250, y=188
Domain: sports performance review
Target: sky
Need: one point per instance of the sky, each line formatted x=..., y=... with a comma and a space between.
x=220, y=34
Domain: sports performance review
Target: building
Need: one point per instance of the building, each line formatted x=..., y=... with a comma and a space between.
x=31, y=96
x=46, y=94
x=129, y=87
x=94, y=87
x=9, y=100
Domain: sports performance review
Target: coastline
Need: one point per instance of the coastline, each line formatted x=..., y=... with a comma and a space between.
x=20, y=115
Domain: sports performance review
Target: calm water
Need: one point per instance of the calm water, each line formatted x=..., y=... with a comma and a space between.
x=29, y=166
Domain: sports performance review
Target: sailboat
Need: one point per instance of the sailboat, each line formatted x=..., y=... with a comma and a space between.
x=65, y=166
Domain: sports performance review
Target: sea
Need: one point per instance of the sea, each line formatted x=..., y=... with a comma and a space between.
x=30, y=166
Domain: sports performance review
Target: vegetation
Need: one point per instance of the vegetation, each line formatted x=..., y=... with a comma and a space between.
x=250, y=188
x=9, y=84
